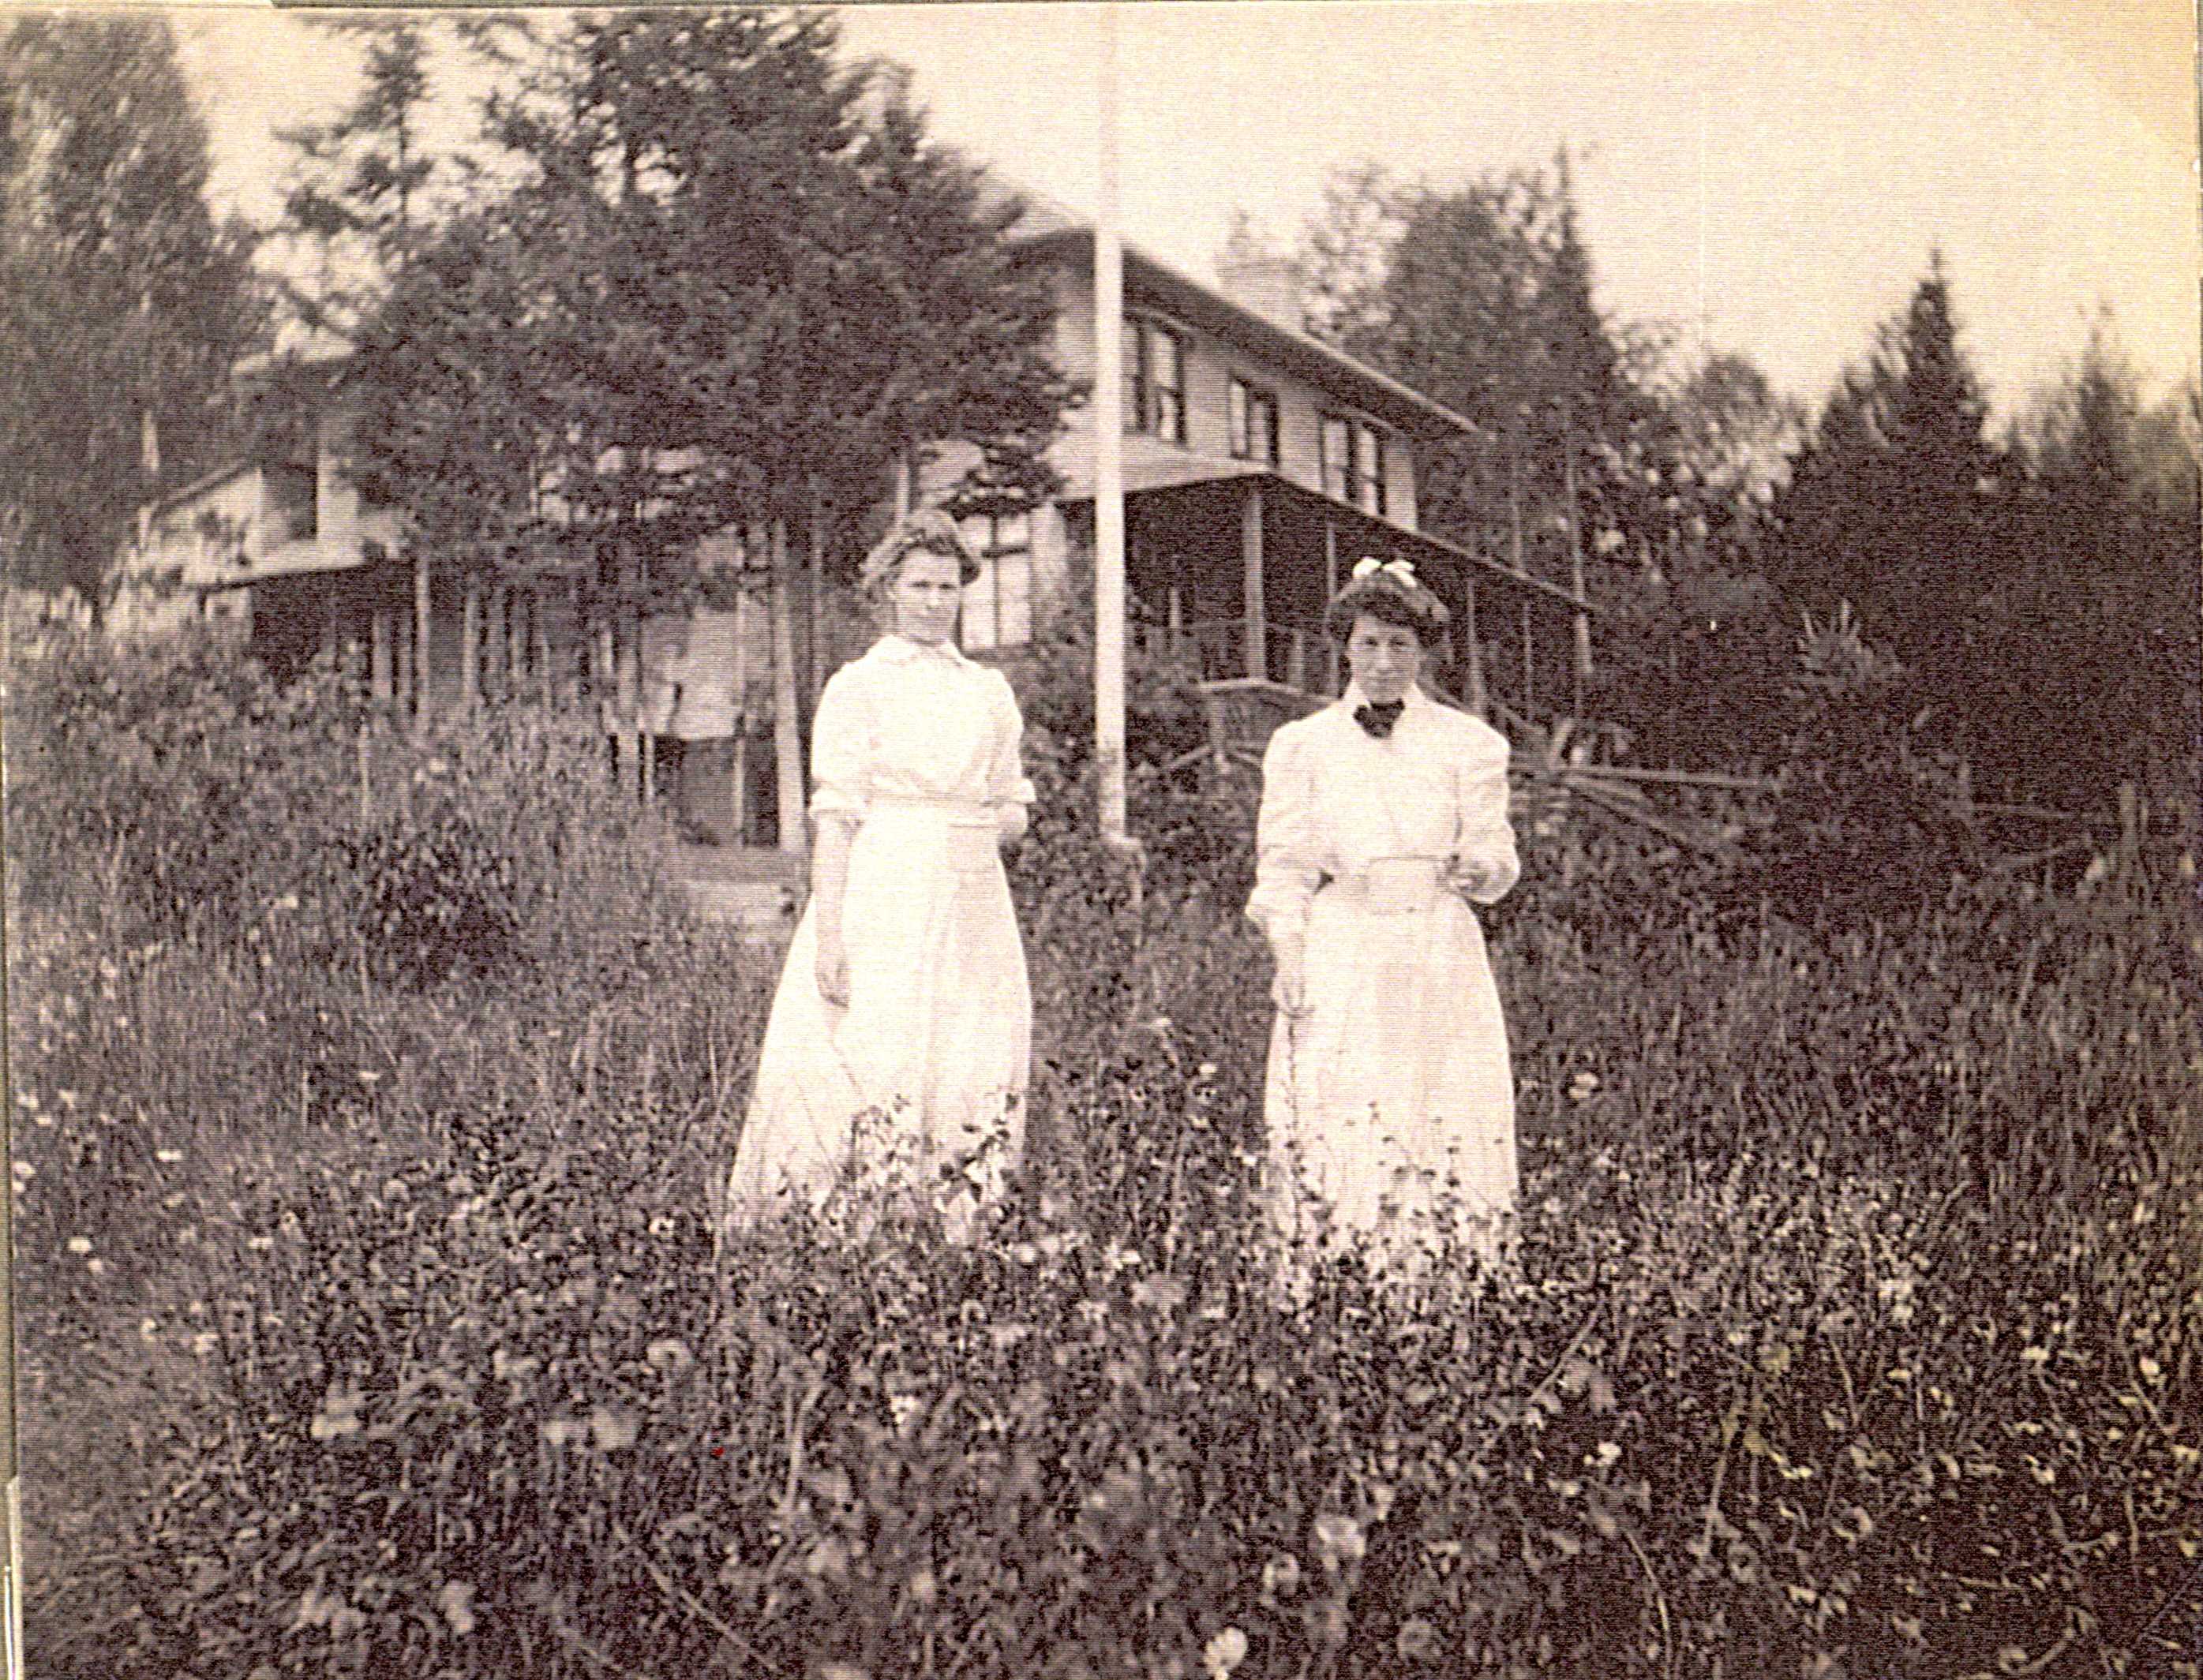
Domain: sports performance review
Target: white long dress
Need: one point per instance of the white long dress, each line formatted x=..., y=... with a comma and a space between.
x=1394, y=1087
x=924, y=1072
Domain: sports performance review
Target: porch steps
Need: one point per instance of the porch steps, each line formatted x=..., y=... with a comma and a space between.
x=760, y=910
x=756, y=891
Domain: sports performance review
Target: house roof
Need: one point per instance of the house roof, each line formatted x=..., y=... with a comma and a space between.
x=1150, y=466
x=1050, y=225
x=199, y=486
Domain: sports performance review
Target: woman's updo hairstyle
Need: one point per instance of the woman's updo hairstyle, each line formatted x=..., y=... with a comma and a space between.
x=921, y=531
x=1389, y=592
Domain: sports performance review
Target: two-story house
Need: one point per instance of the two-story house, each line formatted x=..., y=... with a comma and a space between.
x=1258, y=465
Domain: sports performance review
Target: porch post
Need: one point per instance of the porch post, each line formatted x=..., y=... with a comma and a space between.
x=1250, y=551
x=1330, y=589
x=422, y=666
x=378, y=654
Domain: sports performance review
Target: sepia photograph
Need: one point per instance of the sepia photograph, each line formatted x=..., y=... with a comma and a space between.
x=1282, y=839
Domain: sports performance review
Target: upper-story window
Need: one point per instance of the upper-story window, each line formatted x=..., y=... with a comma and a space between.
x=1356, y=461
x=998, y=604
x=1155, y=380
x=1372, y=462
x=1254, y=422
x=1342, y=476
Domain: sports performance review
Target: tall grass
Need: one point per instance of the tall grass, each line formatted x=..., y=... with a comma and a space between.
x=373, y=1320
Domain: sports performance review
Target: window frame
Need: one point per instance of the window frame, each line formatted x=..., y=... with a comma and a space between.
x=1243, y=400
x=992, y=551
x=1372, y=449
x=1148, y=400
x=1348, y=427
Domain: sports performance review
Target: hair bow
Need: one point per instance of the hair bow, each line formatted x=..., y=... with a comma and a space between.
x=1368, y=565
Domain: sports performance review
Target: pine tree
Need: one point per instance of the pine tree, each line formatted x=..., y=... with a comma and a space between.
x=1893, y=505
x=122, y=303
x=727, y=289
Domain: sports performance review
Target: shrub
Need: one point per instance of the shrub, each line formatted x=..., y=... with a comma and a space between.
x=435, y=897
x=1854, y=1331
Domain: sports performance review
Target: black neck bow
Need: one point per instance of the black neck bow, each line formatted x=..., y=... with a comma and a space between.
x=1378, y=720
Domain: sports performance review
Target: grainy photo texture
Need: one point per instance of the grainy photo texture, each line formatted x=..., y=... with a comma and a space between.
x=1276, y=840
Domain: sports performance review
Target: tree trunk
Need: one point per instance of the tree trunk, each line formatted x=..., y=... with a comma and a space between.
x=787, y=738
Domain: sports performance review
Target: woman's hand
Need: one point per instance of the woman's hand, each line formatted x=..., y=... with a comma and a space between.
x=833, y=971
x=1289, y=985
x=1469, y=877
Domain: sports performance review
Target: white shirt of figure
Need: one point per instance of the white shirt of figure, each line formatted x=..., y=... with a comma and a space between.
x=916, y=720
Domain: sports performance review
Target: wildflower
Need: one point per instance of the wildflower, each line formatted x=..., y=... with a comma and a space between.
x=612, y=1428
x=1167, y=1293
x=260, y=1245
x=79, y=1245
x=843, y=1671
x=1605, y=1456
x=1338, y=1539
x=1583, y=1087
x=68, y=1099
x=1281, y=1574
x=204, y=1343
x=1418, y=1642
x=560, y=1430
x=2151, y=1370
x=27, y=1102
x=1224, y=1654
x=924, y=1587
x=2035, y=1356
x=168, y=1158
x=1026, y=1254
x=25, y=1171
x=339, y=1416
x=369, y=1076
x=668, y=1354
x=455, y=1601
x=149, y=1327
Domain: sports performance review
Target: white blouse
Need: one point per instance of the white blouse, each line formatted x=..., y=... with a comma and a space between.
x=1336, y=798
x=916, y=724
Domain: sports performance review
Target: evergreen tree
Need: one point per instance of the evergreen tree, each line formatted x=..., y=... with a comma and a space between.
x=1482, y=298
x=1893, y=503
x=728, y=287
x=2084, y=667
x=122, y=303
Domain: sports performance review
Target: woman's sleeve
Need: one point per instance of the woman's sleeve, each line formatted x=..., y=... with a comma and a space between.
x=1007, y=781
x=1487, y=839
x=1287, y=870
x=841, y=748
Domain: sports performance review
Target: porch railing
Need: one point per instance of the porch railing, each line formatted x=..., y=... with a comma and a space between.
x=1215, y=650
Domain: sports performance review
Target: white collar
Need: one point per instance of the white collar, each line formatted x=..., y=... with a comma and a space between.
x=898, y=649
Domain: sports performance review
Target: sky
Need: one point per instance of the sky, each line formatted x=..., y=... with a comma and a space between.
x=1764, y=176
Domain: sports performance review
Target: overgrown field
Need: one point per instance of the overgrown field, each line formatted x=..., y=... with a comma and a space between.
x=371, y=1100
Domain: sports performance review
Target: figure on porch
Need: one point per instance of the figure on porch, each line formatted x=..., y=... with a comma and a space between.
x=1390, y=1099
x=899, y=1037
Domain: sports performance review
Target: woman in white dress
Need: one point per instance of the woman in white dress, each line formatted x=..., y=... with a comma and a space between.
x=898, y=1049
x=1390, y=1099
